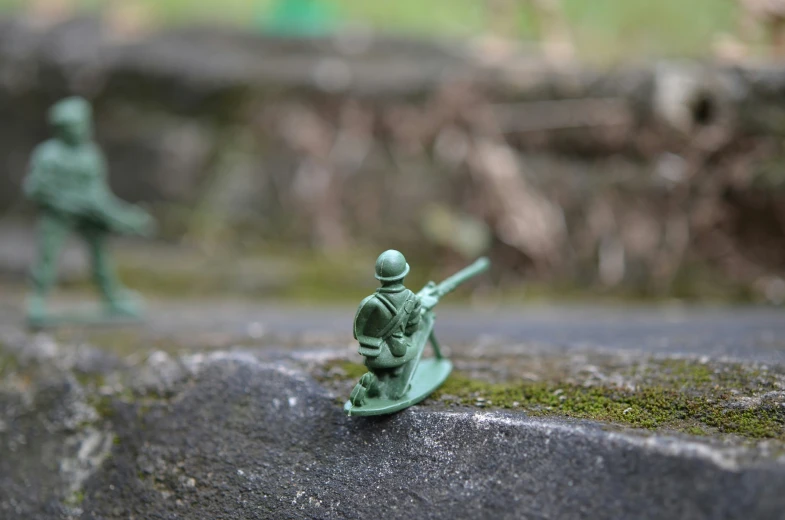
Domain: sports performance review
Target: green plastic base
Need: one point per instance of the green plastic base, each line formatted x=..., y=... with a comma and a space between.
x=428, y=376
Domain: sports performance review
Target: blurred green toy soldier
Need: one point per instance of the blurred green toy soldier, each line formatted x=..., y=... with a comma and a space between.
x=67, y=181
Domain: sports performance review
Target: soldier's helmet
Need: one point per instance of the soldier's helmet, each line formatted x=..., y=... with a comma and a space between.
x=391, y=266
x=70, y=111
x=71, y=120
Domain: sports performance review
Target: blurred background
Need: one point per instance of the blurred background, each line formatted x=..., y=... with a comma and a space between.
x=594, y=149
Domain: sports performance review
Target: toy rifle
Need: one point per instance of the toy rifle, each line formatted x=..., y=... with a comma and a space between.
x=105, y=211
x=122, y=217
x=432, y=293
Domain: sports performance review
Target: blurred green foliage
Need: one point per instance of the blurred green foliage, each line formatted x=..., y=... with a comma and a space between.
x=604, y=30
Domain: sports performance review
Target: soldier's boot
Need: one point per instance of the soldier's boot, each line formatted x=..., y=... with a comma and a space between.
x=363, y=389
x=51, y=233
x=117, y=299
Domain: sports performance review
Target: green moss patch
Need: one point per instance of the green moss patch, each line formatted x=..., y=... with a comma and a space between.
x=75, y=499
x=647, y=407
x=8, y=362
x=671, y=394
x=347, y=369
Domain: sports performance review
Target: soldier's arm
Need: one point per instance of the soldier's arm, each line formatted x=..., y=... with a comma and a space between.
x=38, y=185
x=364, y=313
x=35, y=182
x=414, y=317
x=121, y=216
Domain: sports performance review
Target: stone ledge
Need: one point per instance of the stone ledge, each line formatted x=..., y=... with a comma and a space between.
x=247, y=434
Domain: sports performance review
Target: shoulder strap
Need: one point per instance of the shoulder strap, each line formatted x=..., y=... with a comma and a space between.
x=387, y=303
x=398, y=317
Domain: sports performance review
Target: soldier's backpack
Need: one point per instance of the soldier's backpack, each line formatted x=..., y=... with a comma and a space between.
x=371, y=346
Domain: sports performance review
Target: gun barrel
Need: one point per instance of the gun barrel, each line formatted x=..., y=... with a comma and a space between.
x=449, y=285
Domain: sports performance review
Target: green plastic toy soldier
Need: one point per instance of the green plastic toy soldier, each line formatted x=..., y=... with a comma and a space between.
x=392, y=326
x=67, y=181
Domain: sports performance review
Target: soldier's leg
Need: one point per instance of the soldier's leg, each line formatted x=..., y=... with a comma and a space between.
x=401, y=383
x=115, y=295
x=52, y=230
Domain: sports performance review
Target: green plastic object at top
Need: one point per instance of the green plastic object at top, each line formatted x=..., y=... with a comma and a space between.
x=299, y=18
x=67, y=182
x=393, y=326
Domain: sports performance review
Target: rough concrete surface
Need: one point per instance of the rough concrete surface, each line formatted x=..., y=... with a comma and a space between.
x=258, y=440
x=253, y=428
